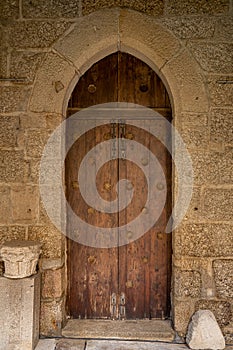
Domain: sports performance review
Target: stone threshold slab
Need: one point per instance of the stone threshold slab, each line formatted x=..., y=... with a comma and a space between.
x=149, y=330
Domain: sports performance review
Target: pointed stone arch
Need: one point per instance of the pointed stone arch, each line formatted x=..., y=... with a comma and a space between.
x=101, y=33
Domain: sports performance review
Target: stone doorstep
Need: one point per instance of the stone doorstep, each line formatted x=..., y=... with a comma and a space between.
x=134, y=330
x=75, y=344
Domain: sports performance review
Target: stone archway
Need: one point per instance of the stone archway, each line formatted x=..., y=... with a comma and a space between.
x=101, y=33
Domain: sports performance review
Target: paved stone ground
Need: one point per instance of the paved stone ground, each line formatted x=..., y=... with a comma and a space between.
x=74, y=344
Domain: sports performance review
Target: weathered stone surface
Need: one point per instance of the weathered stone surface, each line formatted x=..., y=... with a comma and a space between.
x=194, y=212
x=12, y=166
x=12, y=232
x=31, y=34
x=66, y=344
x=45, y=97
x=53, y=282
x=3, y=52
x=46, y=344
x=126, y=329
x=25, y=64
x=53, y=120
x=54, y=9
x=5, y=205
x=51, y=264
x=33, y=168
x=190, y=28
x=187, y=83
x=8, y=131
x=134, y=34
x=194, y=119
x=204, y=240
x=150, y=7
x=25, y=204
x=221, y=125
x=52, y=315
x=132, y=345
x=19, y=309
x=197, y=137
x=204, y=332
x=188, y=7
x=220, y=94
x=217, y=204
x=221, y=310
x=223, y=278
x=52, y=240
x=90, y=33
x=13, y=98
x=20, y=258
x=33, y=121
x=213, y=167
x=9, y=9
x=224, y=28
x=214, y=57
x=183, y=311
x=187, y=284
x=35, y=142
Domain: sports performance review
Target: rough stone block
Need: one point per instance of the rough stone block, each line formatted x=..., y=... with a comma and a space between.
x=214, y=57
x=33, y=170
x=217, y=204
x=45, y=97
x=52, y=314
x=204, y=240
x=25, y=64
x=19, y=310
x=8, y=131
x=51, y=264
x=33, y=121
x=183, y=311
x=187, y=284
x=9, y=9
x=5, y=205
x=194, y=138
x=12, y=232
x=224, y=28
x=221, y=310
x=190, y=28
x=204, y=332
x=13, y=98
x=212, y=167
x=35, y=142
x=38, y=34
x=3, y=52
x=71, y=344
x=221, y=126
x=53, y=241
x=54, y=9
x=46, y=344
x=220, y=94
x=53, y=283
x=12, y=166
x=25, y=204
x=153, y=8
x=188, y=7
x=187, y=83
x=194, y=212
x=134, y=34
x=223, y=278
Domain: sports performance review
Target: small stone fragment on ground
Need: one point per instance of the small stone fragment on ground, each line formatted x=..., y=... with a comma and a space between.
x=204, y=332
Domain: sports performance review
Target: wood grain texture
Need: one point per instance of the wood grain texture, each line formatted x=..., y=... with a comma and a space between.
x=142, y=269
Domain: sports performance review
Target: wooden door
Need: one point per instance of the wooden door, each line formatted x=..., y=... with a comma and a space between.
x=130, y=281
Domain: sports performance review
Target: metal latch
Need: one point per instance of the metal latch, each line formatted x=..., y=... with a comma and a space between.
x=113, y=306
x=122, y=306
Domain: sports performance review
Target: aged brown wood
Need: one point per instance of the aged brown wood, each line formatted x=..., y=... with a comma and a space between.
x=139, y=271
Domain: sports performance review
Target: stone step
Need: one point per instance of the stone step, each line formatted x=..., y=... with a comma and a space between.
x=152, y=330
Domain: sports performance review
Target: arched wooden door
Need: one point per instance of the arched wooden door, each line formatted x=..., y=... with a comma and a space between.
x=131, y=281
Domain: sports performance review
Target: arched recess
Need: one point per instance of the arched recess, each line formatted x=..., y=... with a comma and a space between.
x=106, y=31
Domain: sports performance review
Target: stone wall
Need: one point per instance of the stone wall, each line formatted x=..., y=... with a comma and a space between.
x=45, y=46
